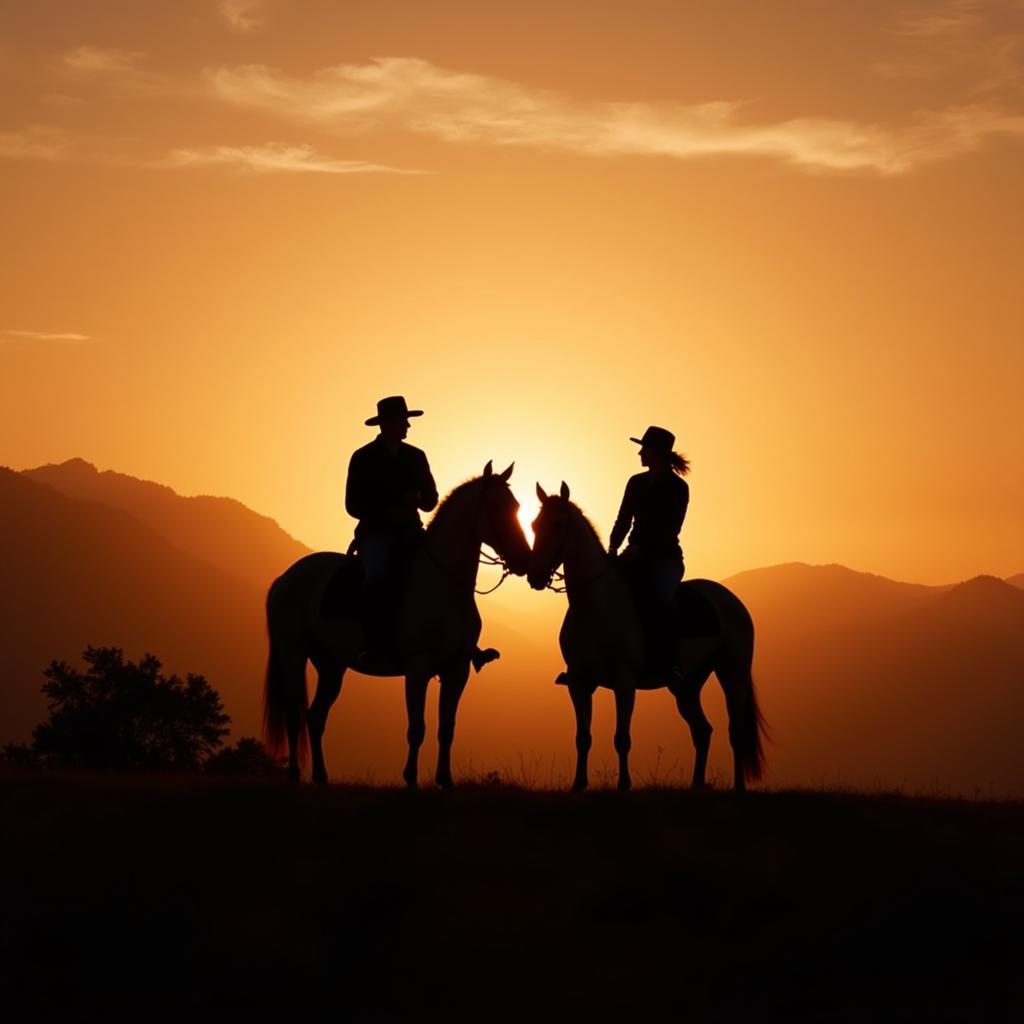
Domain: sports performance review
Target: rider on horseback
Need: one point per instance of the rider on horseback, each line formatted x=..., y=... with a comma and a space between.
x=389, y=484
x=655, y=505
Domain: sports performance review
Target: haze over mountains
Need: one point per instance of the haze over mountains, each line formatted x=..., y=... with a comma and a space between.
x=865, y=681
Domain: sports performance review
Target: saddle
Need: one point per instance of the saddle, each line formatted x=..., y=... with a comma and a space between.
x=347, y=596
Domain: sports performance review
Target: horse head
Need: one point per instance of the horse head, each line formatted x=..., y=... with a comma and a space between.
x=550, y=536
x=499, y=522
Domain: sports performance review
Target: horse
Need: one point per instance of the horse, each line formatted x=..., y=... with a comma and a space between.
x=438, y=627
x=602, y=641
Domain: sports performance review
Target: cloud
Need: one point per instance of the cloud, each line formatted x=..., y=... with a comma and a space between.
x=65, y=338
x=275, y=157
x=242, y=15
x=40, y=142
x=952, y=17
x=460, y=107
x=981, y=43
x=93, y=59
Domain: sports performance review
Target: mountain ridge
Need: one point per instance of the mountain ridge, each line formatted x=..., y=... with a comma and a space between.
x=221, y=530
x=862, y=678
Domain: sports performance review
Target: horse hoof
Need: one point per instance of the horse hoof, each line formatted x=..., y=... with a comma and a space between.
x=445, y=781
x=579, y=785
x=625, y=785
x=320, y=777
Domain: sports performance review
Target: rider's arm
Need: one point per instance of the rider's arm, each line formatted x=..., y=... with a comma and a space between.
x=622, y=521
x=358, y=500
x=428, y=489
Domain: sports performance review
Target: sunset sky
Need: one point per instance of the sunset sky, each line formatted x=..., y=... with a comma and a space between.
x=790, y=232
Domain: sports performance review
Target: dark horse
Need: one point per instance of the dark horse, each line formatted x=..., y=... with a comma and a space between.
x=438, y=626
x=602, y=641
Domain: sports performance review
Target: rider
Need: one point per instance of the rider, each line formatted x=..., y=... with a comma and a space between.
x=654, y=504
x=389, y=483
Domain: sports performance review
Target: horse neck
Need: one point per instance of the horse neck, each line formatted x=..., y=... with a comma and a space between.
x=452, y=538
x=585, y=557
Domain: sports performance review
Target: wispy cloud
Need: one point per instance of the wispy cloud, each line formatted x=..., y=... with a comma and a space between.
x=947, y=18
x=418, y=96
x=242, y=15
x=39, y=142
x=275, y=157
x=980, y=42
x=61, y=337
x=92, y=59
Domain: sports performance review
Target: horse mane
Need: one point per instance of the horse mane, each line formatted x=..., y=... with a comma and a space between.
x=445, y=505
x=589, y=525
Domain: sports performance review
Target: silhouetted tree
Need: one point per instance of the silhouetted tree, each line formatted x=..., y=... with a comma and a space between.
x=247, y=757
x=124, y=715
x=19, y=755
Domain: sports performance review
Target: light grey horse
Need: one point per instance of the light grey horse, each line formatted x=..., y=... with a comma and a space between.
x=602, y=641
x=439, y=626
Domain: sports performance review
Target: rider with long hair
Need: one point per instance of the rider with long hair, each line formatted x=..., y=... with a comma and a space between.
x=652, y=512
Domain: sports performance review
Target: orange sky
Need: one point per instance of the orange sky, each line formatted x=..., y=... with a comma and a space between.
x=791, y=233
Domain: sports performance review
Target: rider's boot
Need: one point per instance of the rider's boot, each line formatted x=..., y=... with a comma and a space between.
x=479, y=658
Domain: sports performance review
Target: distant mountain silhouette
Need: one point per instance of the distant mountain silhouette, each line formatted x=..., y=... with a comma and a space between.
x=865, y=680
x=221, y=531
x=79, y=572
x=868, y=681
x=828, y=595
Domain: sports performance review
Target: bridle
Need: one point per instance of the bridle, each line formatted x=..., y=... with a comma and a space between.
x=556, y=581
x=485, y=558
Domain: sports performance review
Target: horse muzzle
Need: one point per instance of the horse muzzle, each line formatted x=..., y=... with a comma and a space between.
x=538, y=579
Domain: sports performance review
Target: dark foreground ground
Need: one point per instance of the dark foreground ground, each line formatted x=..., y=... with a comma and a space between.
x=154, y=897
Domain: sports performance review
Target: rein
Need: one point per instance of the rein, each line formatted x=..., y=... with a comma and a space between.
x=557, y=581
x=484, y=557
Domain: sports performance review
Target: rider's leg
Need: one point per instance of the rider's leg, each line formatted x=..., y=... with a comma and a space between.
x=375, y=551
x=663, y=578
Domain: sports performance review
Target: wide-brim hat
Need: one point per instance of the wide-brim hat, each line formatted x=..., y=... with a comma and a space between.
x=392, y=408
x=658, y=439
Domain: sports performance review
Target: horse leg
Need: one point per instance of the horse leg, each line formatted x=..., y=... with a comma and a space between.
x=415, y=702
x=582, y=695
x=452, y=685
x=625, y=698
x=687, y=695
x=328, y=686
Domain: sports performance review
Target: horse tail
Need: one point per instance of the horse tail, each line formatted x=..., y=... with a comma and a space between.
x=747, y=727
x=284, y=697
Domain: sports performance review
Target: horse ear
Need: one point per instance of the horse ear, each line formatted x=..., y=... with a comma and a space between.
x=540, y=493
x=506, y=476
x=488, y=469
x=565, y=490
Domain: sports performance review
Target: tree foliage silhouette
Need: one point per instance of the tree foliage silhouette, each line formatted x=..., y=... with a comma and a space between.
x=124, y=715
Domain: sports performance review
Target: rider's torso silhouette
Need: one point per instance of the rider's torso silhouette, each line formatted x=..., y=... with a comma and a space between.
x=389, y=483
x=652, y=512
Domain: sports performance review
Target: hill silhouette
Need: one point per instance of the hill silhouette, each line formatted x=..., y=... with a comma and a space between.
x=221, y=531
x=865, y=680
x=914, y=686
x=78, y=572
